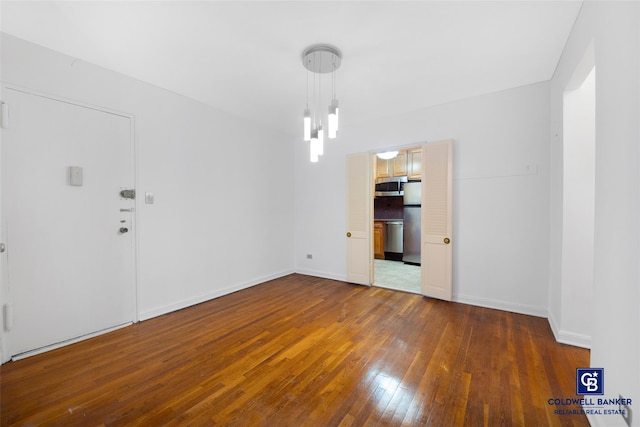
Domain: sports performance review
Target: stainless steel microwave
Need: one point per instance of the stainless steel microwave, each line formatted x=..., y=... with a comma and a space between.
x=390, y=186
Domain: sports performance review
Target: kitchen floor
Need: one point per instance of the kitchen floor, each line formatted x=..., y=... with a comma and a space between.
x=396, y=275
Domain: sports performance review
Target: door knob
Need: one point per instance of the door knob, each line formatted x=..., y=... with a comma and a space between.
x=446, y=241
x=124, y=230
x=348, y=234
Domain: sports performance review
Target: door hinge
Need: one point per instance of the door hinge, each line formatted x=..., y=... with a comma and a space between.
x=4, y=117
x=7, y=314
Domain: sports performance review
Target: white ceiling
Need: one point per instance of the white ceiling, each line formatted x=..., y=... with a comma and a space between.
x=245, y=57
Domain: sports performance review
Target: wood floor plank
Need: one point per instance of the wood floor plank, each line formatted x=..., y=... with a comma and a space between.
x=302, y=350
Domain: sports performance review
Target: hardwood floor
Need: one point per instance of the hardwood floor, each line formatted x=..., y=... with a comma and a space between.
x=304, y=351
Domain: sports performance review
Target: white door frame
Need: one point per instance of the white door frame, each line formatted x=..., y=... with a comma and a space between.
x=5, y=303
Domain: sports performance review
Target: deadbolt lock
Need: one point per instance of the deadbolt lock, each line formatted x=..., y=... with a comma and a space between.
x=128, y=194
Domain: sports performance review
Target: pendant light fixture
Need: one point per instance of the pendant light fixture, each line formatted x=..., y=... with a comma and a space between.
x=320, y=59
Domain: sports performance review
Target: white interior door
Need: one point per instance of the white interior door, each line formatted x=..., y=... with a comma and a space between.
x=71, y=269
x=436, y=254
x=359, y=220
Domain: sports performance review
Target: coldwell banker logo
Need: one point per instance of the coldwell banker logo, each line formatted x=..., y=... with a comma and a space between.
x=589, y=381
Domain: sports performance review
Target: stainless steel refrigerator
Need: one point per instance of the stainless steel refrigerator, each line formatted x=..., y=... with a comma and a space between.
x=412, y=217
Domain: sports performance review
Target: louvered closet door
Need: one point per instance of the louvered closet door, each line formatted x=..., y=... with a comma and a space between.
x=359, y=222
x=437, y=177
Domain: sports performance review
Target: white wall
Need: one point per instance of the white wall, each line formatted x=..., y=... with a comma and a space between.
x=614, y=30
x=216, y=225
x=501, y=188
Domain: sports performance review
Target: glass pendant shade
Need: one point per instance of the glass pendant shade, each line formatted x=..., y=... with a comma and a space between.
x=333, y=120
x=313, y=147
x=320, y=141
x=307, y=125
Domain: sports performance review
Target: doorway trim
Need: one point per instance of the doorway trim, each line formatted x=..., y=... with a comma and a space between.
x=444, y=277
x=571, y=324
x=373, y=158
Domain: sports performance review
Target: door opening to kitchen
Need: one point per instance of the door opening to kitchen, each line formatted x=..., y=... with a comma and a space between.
x=397, y=217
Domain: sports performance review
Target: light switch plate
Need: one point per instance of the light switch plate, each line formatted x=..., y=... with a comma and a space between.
x=148, y=198
x=75, y=176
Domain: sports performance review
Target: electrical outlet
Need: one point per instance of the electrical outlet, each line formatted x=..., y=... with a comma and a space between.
x=625, y=410
x=309, y=256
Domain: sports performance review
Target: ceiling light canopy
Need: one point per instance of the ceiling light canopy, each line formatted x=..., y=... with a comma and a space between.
x=320, y=59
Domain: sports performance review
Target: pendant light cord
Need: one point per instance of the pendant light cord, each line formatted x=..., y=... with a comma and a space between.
x=333, y=80
x=307, y=91
x=320, y=90
x=315, y=106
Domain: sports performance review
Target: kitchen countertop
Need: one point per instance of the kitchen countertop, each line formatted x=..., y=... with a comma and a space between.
x=388, y=219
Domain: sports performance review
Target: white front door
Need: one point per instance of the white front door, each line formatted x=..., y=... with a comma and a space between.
x=359, y=220
x=70, y=245
x=437, y=207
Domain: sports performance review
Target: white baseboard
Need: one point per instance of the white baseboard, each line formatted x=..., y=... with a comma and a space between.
x=155, y=312
x=566, y=337
x=324, y=275
x=530, y=310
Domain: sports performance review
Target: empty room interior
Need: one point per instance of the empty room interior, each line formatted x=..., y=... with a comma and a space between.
x=320, y=213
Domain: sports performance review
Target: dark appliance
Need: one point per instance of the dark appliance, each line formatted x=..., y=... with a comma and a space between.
x=412, y=211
